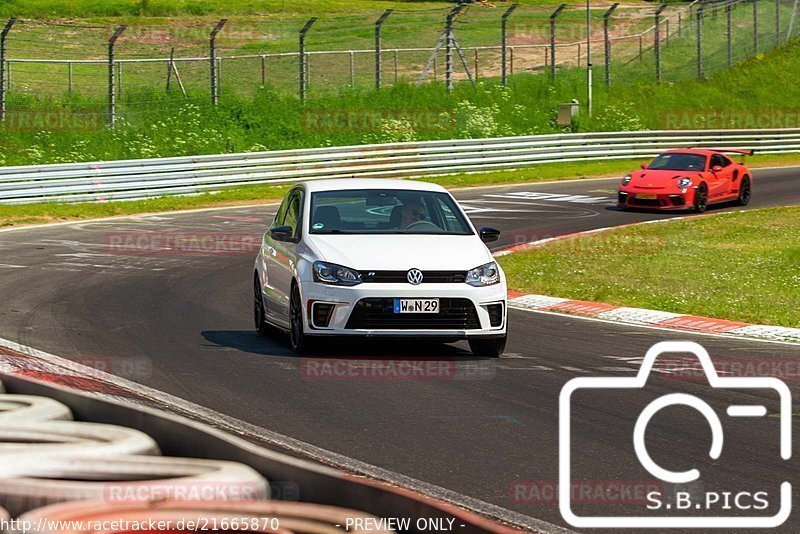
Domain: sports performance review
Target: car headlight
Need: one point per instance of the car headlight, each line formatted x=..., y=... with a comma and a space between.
x=684, y=182
x=627, y=179
x=485, y=275
x=330, y=273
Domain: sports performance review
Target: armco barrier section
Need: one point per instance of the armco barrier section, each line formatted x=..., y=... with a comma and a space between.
x=148, y=178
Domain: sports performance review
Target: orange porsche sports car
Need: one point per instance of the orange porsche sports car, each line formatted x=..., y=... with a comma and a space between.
x=688, y=179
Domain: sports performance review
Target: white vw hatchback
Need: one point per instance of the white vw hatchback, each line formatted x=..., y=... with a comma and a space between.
x=390, y=258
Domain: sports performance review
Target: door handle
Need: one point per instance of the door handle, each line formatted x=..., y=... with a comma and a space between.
x=271, y=251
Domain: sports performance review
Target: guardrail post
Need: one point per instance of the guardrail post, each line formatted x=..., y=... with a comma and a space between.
x=657, y=40
x=212, y=44
x=699, y=14
x=448, y=56
x=755, y=27
x=504, y=43
x=304, y=59
x=3, y=35
x=553, y=16
x=378, y=25
x=607, y=41
x=728, y=30
x=112, y=95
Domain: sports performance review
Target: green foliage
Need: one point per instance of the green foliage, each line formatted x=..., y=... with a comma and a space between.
x=676, y=265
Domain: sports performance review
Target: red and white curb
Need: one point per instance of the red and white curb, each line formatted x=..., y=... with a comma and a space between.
x=661, y=319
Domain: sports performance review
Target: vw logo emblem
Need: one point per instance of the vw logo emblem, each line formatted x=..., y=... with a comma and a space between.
x=414, y=276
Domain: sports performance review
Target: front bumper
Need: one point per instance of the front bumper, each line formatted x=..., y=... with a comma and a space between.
x=661, y=201
x=365, y=310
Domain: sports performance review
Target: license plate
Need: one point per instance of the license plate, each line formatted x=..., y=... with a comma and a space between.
x=647, y=197
x=416, y=305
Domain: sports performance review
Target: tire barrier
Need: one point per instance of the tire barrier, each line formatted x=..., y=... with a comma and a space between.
x=266, y=516
x=68, y=438
x=127, y=479
x=21, y=408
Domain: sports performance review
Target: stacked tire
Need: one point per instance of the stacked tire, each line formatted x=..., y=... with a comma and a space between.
x=55, y=468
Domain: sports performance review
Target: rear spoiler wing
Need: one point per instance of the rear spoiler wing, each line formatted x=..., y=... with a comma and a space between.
x=743, y=151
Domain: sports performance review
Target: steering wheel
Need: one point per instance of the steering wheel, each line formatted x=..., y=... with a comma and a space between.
x=422, y=224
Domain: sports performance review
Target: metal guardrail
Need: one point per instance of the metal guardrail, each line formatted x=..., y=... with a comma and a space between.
x=148, y=178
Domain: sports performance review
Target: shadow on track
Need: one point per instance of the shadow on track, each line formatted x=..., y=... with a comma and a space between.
x=360, y=349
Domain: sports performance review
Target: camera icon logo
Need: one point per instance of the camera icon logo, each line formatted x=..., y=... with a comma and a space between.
x=647, y=462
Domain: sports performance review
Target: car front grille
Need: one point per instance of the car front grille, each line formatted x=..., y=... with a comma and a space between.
x=400, y=277
x=378, y=314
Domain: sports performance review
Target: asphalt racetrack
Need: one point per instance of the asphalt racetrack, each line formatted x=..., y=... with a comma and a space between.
x=485, y=429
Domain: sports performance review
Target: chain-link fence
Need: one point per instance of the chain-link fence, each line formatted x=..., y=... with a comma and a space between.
x=73, y=75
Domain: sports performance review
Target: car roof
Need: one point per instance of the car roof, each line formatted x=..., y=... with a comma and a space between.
x=699, y=151
x=341, y=184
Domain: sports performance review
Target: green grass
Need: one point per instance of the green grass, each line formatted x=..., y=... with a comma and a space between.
x=274, y=120
x=746, y=260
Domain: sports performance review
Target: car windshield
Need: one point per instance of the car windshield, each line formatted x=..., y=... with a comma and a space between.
x=386, y=211
x=679, y=161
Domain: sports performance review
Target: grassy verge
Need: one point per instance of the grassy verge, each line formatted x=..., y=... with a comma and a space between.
x=274, y=120
x=739, y=266
x=50, y=212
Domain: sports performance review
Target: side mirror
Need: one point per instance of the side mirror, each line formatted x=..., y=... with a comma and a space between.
x=283, y=233
x=644, y=165
x=716, y=168
x=489, y=234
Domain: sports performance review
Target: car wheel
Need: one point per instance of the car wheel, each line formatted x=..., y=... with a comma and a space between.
x=297, y=337
x=744, y=192
x=489, y=348
x=701, y=198
x=259, y=313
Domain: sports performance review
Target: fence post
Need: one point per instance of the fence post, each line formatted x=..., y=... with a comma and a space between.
x=303, y=77
x=680, y=23
x=504, y=42
x=728, y=33
x=213, y=58
x=70, y=77
x=263, y=70
x=378, y=25
x=666, y=31
x=169, y=67
x=353, y=69
x=112, y=99
x=641, y=47
x=792, y=19
x=657, y=40
x=607, y=42
x=396, y=61
x=699, y=13
x=3, y=35
x=755, y=27
x=553, y=16
x=476, y=65
x=777, y=22
x=448, y=56
x=119, y=79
